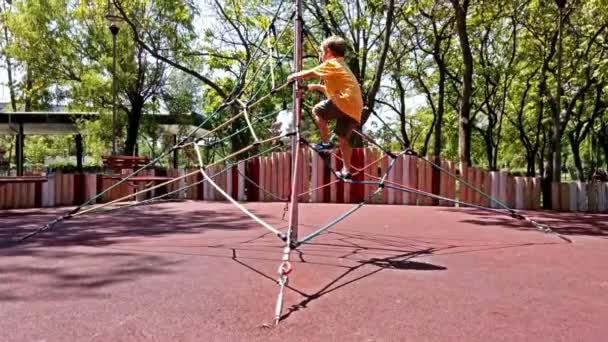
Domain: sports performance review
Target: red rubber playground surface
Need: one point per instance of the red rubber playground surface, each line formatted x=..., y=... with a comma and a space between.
x=196, y=271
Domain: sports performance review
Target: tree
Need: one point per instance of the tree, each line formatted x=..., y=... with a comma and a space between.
x=527, y=121
x=496, y=55
x=431, y=33
x=169, y=25
x=230, y=47
x=66, y=48
x=6, y=9
x=461, y=8
x=582, y=125
x=368, y=25
x=602, y=135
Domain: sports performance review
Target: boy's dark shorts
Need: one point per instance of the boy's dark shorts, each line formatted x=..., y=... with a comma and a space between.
x=329, y=111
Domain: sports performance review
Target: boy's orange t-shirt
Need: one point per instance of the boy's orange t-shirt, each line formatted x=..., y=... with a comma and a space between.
x=341, y=87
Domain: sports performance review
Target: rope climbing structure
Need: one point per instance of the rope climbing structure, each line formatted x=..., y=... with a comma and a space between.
x=257, y=126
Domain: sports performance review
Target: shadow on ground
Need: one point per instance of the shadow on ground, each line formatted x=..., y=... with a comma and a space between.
x=60, y=264
x=391, y=253
x=53, y=268
x=581, y=224
x=105, y=229
x=64, y=275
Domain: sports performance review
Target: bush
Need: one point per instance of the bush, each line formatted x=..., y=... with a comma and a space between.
x=71, y=168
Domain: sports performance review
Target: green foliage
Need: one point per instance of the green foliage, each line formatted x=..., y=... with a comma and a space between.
x=62, y=51
x=62, y=167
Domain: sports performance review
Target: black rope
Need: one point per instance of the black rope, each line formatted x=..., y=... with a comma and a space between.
x=511, y=212
x=252, y=182
x=401, y=141
x=268, y=77
x=157, y=198
x=259, y=44
x=226, y=102
x=352, y=210
x=255, y=121
x=366, y=137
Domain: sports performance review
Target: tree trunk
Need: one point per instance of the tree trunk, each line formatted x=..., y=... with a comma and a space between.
x=29, y=84
x=11, y=88
x=556, y=148
x=541, y=167
x=440, y=109
x=576, y=154
x=531, y=163
x=9, y=71
x=552, y=101
x=427, y=139
x=401, y=89
x=373, y=90
x=605, y=148
x=547, y=175
x=546, y=185
x=464, y=129
x=602, y=137
x=437, y=137
x=406, y=139
x=557, y=130
x=137, y=107
x=487, y=138
x=20, y=137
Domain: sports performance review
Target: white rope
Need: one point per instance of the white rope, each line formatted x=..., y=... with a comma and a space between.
x=229, y=198
x=255, y=137
x=270, y=53
x=284, y=270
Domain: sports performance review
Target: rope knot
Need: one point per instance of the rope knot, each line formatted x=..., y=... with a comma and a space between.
x=285, y=268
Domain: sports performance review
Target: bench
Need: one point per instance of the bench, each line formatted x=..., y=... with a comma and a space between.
x=20, y=180
x=138, y=183
x=118, y=163
x=17, y=196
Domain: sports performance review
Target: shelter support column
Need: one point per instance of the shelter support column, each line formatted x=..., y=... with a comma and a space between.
x=79, y=151
x=175, y=153
x=19, y=160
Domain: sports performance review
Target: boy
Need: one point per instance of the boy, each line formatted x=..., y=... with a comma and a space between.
x=344, y=102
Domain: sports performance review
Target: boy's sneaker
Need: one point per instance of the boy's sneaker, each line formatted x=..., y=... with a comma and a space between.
x=343, y=174
x=323, y=147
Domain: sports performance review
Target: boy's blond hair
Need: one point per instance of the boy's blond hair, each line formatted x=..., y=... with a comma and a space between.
x=336, y=45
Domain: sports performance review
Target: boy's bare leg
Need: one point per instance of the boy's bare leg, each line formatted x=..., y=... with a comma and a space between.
x=322, y=126
x=346, y=152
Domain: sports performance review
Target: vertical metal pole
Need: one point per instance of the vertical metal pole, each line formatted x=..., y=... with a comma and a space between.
x=296, y=173
x=114, y=94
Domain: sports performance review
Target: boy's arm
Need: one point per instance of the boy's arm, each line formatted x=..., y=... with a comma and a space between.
x=317, y=87
x=302, y=75
x=324, y=68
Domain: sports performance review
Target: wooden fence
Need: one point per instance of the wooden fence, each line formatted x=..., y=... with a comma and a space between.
x=272, y=174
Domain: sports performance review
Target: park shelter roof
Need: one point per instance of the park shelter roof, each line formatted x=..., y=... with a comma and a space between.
x=63, y=123
x=41, y=123
x=21, y=124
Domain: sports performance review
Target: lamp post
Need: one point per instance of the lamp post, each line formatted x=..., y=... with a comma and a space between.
x=114, y=28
